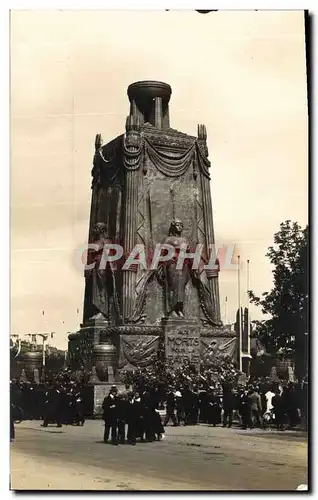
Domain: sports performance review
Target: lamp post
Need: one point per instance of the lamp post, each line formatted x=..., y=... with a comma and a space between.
x=239, y=309
x=44, y=339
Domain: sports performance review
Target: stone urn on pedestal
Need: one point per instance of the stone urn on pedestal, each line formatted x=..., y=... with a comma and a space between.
x=104, y=357
x=104, y=361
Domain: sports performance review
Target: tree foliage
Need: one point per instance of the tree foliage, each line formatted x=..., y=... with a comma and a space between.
x=287, y=303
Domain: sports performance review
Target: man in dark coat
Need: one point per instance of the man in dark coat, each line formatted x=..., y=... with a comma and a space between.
x=256, y=408
x=149, y=409
x=122, y=416
x=53, y=406
x=245, y=409
x=12, y=430
x=110, y=415
x=132, y=419
x=170, y=408
x=213, y=409
x=228, y=406
x=140, y=416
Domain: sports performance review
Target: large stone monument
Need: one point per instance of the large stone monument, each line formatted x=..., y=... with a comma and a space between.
x=150, y=185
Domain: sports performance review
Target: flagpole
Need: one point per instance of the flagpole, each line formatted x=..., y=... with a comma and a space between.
x=248, y=309
x=239, y=309
x=225, y=311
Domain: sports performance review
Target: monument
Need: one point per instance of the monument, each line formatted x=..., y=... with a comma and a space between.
x=150, y=185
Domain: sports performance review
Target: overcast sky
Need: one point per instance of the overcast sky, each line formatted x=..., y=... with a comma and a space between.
x=242, y=74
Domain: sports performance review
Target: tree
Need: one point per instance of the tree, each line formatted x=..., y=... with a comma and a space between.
x=286, y=329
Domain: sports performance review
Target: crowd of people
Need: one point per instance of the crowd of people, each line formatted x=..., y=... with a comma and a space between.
x=58, y=401
x=218, y=394
x=157, y=396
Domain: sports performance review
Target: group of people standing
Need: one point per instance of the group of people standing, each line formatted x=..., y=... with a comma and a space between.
x=250, y=406
x=52, y=402
x=129, y=416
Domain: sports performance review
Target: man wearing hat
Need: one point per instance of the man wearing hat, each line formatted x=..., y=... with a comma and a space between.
x=110, y=415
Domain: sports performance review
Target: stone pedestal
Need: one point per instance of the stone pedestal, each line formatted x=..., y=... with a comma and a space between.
x=182, y=341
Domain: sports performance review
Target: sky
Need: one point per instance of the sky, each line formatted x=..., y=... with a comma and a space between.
x=242, y=74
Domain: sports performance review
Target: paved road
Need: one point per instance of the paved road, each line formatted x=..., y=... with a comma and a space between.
x=189, y=458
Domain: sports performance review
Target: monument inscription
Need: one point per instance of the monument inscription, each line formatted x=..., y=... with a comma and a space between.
x=182, y=345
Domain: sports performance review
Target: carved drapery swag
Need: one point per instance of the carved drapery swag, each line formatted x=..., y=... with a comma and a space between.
x=106, y=167
x=178, y=164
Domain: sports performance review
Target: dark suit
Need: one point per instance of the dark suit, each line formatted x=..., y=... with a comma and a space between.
x=110, y=417
x=279, y=410
x=12, y=431
x=228, y=407
x=213, y=410
x=132, y=421
x=245, y=411
x=122, y=418
x=256, y=408
x=170, y=409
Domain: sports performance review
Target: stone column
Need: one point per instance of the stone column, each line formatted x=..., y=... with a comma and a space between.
x=132, y=154
x=134, y=111
x=165, y=116
x=158, y=112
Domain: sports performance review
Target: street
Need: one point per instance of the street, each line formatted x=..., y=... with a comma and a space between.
x=189, y=458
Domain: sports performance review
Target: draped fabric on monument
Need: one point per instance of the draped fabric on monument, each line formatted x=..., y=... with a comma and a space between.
x=178, y=164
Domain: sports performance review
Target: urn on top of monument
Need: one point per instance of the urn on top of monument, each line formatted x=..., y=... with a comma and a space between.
x=149, y=100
